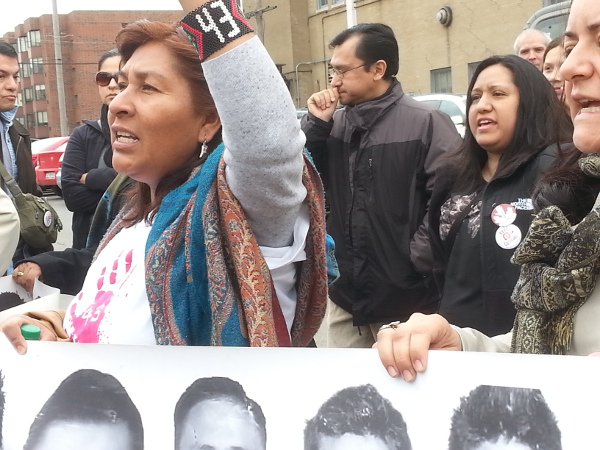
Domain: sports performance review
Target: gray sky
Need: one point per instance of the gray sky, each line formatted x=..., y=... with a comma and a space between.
x=14, y=12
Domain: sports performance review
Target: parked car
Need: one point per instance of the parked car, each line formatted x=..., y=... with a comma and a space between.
x=551, y=19
x=455, y=105
x=46, y=154
x=301, y=112
x=59, y=172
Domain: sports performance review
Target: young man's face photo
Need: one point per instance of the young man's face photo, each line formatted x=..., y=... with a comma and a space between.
x=220, y=425
x=503, y=444
x=351, y=441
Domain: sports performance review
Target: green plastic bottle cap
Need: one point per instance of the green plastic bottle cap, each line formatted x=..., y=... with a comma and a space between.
x=31, y=332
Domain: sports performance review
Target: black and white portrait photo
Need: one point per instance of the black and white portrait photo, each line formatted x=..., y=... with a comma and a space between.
x=499, y=417
x=91, y=410
x=357, y=418
x=215, y=413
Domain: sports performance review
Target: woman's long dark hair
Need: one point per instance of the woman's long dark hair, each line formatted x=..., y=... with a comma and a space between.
x=541, y=122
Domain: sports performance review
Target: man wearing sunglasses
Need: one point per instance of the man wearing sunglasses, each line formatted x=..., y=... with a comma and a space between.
x=16, y=143
x=378, y=157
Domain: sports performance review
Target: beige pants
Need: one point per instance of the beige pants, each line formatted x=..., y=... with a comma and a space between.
x=341, y=333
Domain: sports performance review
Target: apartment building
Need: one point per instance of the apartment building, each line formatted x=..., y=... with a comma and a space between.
x=441, y=41
x=84, y=36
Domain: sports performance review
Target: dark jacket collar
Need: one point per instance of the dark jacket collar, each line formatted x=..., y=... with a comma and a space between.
x=364, y=115
x=18, y=129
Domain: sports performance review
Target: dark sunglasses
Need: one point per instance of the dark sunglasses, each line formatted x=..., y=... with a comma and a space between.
x=104, y=78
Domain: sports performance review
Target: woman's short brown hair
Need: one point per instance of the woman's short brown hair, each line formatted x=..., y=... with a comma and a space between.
x=142, y=32
x=129, y=39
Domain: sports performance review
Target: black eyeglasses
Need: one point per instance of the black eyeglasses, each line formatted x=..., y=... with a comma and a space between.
x=341, y=72
x=104, y=78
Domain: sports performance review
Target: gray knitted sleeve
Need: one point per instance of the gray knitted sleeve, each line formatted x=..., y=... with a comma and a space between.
x=263, y=140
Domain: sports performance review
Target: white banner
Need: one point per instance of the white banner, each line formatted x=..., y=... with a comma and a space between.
x=289, y=386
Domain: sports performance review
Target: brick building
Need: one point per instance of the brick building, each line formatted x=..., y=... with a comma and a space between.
x=84, y=36
x=433, y=57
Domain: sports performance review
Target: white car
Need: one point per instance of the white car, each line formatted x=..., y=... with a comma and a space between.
x=455, y=105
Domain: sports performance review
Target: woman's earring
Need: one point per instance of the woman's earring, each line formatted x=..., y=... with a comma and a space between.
x=204, y=149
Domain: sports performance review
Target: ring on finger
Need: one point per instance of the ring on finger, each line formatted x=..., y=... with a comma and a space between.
x=392, y=325
x=20, y=274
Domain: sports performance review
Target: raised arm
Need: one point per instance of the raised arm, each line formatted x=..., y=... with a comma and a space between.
x=262, y=136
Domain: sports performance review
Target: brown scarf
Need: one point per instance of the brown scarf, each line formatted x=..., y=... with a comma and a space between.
x=560, y=266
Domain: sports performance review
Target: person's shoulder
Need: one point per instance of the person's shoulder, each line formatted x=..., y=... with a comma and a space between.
x=417, y=108
x=88, y=127
x=91, y=124
x=20, y=129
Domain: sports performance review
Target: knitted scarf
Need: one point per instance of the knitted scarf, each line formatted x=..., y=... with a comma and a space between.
x=559, y=269
x=206, y=279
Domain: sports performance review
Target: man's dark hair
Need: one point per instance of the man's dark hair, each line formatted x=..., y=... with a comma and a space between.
x=489, y=413
x=359, y=410
x=216, y=388
x=377, y=42
x=89, y=396
x=541, y=121
x=7, y=49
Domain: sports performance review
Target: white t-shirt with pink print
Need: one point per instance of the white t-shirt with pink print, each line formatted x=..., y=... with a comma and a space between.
x=112, y=306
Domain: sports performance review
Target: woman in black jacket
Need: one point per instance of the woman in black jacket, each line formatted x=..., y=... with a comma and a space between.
x=87, y=166
x=481, y=204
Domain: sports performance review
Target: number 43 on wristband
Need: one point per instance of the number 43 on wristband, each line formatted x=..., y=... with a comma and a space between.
x=215, y=24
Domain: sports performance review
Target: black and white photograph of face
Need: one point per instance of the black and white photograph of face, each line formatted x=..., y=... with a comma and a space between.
x=215, y=413
x=500, y=417
x=357, y=418
x=89, y=409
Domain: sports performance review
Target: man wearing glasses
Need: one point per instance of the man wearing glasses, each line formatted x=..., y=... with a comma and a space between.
x=378, y=157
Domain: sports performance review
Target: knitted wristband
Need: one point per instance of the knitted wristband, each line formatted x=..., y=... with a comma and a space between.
x=213, y=25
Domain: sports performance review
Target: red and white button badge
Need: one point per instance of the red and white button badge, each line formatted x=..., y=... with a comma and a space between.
x=508, y=235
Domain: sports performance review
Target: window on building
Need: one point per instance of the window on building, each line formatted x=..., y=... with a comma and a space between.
x=25, y=71
x=19, y=98
x=37, y=65
x=42, y=118
x=40, y=91
x=21, y=120
x=441, y=80
x=30, y=121
x=22, y=44
x=34, y=38
x=28, y=94
x=338, y=1
x=321, y=4
x=471, y=69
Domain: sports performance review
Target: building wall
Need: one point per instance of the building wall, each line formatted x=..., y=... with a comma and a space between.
x=85, y=35
x=296, y=34
x=480, y=28
x=284, y=31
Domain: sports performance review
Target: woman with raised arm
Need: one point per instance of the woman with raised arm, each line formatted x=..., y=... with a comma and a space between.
x=220, y=244
x=557, y=296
